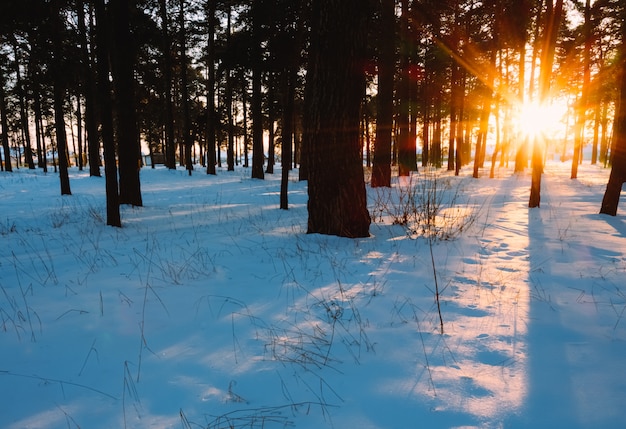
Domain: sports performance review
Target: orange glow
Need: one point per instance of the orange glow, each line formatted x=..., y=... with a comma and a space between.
x=542, y=119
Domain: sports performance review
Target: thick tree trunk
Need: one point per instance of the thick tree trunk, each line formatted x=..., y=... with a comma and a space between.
x=59, y=126
x=610, y=201
x=123, y=77
x=335, y=84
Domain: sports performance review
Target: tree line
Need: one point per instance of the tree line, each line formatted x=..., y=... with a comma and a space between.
x=326, y=85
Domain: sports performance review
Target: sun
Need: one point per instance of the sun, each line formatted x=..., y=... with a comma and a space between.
x=542, y=119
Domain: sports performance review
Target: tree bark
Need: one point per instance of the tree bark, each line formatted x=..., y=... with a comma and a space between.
x=128, y=147
x=59, y=96
x=287, y=83
x=258, y=157
x=106, y=116
x=610, y=201
x=184, y=78
x=210, y=108
x=335, y=84
x=230, y=150
x=5, y=127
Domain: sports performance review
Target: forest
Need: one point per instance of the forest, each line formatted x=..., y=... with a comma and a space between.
x=326, y=87
x=377, y=214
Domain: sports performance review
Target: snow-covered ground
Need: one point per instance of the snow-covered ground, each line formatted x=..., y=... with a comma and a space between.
x=212, y=308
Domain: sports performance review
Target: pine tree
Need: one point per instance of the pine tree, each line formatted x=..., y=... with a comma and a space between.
x=335, y=87
x=617, y=177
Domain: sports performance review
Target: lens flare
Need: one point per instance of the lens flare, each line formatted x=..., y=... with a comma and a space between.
x=541, y=119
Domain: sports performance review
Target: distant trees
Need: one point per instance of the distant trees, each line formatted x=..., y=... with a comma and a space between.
x=386, y=51
x=207, y=81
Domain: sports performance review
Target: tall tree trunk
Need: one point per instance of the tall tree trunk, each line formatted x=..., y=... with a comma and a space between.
x=59, y=127
x=436, y=155
x=485, y=113
x=460, y=152
x=405, y=157
x=581, y=114
x=258, y=157
x=123, y=77
x=7, y=165
x=244, y=108
x=91, y=124
x=184, y=78
x=210, y=107
x=522, y=147
x=617, y=177
x=381, y=170
x=455, y=90
x=170, y=144
x=271, y=119
x=28, y=151
x=39, y=132
x=604, y=140
x=59, y=92
x=335, y=83
x=288, y=77
x=553, y=20
x=454, y=112
x=521, y=158
x=79, y=131
x=427, y=97
x=103, y=95
x=230, y=150
x=596, y=133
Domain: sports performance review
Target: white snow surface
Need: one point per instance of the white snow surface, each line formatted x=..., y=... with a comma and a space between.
x=212, y=308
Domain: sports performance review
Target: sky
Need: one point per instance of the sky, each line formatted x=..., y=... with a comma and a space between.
x=212, y=308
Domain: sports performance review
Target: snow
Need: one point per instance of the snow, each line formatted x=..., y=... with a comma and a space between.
x=212, y=308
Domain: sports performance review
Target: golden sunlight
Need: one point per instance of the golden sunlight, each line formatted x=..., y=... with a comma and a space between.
x=542, y=119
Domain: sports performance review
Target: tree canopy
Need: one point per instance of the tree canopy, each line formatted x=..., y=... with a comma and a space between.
x=444, y=84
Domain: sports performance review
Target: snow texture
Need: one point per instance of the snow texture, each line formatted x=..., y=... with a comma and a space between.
x=212, y=308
